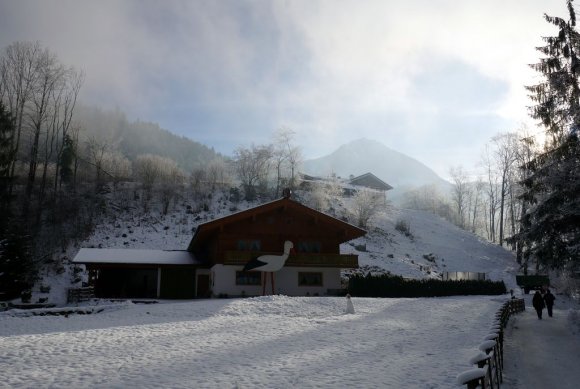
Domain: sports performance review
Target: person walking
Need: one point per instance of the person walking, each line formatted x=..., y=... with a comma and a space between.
x=538, y=303
x=549, y=300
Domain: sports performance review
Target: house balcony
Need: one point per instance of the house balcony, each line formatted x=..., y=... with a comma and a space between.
x=297, y=260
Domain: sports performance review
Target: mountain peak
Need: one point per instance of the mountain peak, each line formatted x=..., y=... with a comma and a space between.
x=366, y=155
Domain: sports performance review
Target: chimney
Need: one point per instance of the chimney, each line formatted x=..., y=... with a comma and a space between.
x=286, y=193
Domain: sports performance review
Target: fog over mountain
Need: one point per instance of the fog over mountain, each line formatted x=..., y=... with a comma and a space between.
x=134, y=138
x=364, y=155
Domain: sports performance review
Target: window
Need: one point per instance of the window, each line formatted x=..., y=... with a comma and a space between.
x=248, y=278
x=249, y=245
x=309, y=279
x=309, y=247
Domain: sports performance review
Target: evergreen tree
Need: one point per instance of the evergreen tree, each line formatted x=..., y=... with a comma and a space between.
x=6, y=137
x=16, y=269
x=66, y=160
x=551, y=225
x=6, y=155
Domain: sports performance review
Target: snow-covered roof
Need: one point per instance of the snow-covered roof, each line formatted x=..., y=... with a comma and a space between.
x=136, y=256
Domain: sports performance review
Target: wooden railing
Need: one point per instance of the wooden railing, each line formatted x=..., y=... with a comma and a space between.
x=74, y=295
x=489, y=361
x=297, y=260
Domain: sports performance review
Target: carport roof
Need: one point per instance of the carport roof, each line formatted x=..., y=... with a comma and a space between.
x=136, y=256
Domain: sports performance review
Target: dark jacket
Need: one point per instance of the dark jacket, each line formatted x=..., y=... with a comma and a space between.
x=538, y=301
x=549, y=299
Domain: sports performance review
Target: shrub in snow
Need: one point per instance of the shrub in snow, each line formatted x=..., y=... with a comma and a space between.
x=404, y=227
x=429, y=257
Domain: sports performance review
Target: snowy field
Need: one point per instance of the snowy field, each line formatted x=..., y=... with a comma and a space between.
x=263, y=342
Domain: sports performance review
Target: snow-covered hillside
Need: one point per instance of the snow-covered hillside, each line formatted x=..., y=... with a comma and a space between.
x=429, y=247
x=425, y=248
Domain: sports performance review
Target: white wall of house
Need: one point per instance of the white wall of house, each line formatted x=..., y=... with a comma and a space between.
x=286, y=281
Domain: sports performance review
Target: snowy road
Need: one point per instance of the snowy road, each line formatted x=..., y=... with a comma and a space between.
x=541, y=354
x=267, y=342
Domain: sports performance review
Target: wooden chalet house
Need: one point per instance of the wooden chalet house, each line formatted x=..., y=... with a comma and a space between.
x=214, y=261
x=227, y=244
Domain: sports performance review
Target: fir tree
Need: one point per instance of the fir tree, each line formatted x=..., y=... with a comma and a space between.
x=6, y=155
x=551, y=226
x=6, y=138
x=16, y=268
x=66, y=159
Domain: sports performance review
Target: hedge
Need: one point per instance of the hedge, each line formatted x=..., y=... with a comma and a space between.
x=386, y=285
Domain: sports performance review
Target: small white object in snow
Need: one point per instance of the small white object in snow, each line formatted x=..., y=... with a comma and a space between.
x=349, y=305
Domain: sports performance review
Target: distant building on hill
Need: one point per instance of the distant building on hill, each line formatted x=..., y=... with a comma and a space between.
x=349, y=186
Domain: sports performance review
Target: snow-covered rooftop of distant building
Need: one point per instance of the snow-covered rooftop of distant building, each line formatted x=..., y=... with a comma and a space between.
x=135, y=256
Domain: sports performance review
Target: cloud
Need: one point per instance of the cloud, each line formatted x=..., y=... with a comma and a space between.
x=416, y=75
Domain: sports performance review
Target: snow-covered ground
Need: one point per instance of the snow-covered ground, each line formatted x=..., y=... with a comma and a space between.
x=278, y=341
x=263, y=342
x=283, y=342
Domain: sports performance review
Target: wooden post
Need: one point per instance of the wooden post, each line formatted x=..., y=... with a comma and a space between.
x=273, y=289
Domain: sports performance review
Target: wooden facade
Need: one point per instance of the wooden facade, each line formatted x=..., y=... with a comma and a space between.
x=235, y=239
x=313, y=268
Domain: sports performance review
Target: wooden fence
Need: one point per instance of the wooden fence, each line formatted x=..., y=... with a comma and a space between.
x=462, y=276
x=489, y=361
x=74, y=295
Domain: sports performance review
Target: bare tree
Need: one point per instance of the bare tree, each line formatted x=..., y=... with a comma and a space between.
x=427, y=198
x=49, y=74
x=171, y=181
x=252, y=166
x=147, y=170
x=97, y=151
x=460, y=194
x=18, y=73
x=506, y=146
x=118, y=167
x=324, y=193
x=492, y=192
x=217, y=173
x=197, y=182
x=476, y=193
x=286, y=156
x=366, y=204
x=160, y=175
x=317, y=196
x=73, y=84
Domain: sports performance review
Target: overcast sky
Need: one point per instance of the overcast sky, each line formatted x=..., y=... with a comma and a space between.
x=432, y=79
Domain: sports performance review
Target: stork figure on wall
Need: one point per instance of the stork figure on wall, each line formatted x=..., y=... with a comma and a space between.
x=269, y=264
